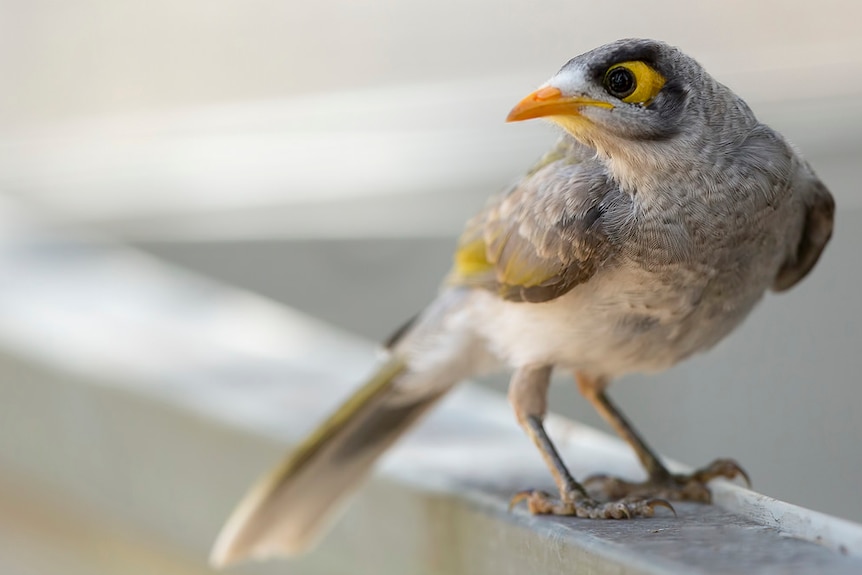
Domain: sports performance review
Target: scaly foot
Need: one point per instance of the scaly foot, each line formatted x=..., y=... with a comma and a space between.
x=542, y=503
x=674, y=487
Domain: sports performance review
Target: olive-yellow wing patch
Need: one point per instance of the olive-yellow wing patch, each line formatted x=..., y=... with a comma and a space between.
x=541, y=238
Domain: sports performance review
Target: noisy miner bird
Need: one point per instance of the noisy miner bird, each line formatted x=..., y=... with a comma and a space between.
x=646, y=234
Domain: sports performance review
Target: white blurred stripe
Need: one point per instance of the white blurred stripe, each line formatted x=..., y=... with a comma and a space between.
x=338, y=164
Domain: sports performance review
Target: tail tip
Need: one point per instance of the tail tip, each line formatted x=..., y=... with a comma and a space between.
x=231, y=548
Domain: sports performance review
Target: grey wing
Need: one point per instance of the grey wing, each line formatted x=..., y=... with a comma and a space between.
x=545, y=236
x=818, y=215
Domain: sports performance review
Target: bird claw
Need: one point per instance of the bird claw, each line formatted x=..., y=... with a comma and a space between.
x=541, y=503
x=727, y=468
x=523, y=496
x=656, y=502
x=676, y=487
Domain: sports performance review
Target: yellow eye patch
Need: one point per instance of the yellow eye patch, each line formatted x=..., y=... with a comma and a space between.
x=633, y=82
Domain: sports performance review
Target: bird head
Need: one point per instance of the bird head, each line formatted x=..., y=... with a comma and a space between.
x=625, y=97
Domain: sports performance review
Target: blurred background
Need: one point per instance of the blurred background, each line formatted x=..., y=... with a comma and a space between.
x=325, y=154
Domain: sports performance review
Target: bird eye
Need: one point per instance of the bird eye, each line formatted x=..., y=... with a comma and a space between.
x=633, y=82
x=620, y=82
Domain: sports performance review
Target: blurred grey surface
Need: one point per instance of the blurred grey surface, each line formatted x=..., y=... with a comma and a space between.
x=91, y=57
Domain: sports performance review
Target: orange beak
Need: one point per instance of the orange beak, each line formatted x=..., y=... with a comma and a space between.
x=549, y=101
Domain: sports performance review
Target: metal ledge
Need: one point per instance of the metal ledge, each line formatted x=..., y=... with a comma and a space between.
x=146, y=400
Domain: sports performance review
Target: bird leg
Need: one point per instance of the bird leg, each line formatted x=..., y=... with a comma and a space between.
x=660, y=482
x=528, y=395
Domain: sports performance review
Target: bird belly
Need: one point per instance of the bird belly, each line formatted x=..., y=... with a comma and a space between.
x=617, y=323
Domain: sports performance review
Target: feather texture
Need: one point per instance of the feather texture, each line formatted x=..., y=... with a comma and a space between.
x=544, y=236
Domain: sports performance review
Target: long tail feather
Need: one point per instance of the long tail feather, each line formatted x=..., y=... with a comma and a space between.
x=288, y=508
